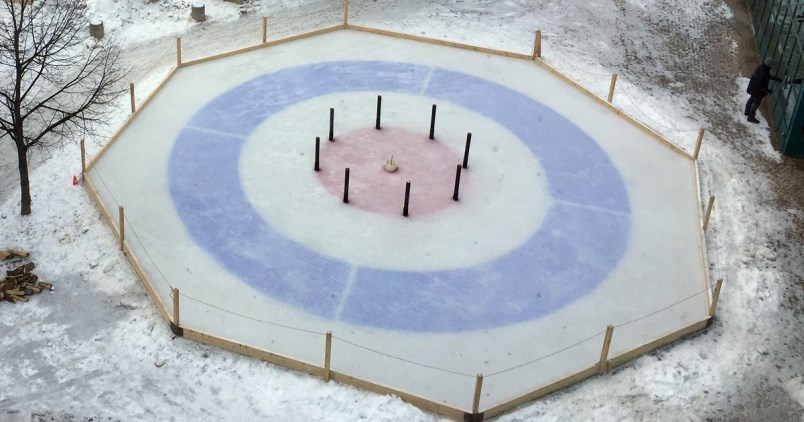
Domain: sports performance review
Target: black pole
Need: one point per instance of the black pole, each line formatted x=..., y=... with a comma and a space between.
x=407, y=199
x=346, y=186
x=466, y=151
x=432, y=123
x=331, y=124
x=317, y=148
x=379, y=110
x=457, y=183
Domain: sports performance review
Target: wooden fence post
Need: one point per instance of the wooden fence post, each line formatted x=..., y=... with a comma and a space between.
x=715, y=297
x=264, y=29
x=708, y=212
x=131, y=93
x=478, y=388
x=122, y=225
x=174, y=325
x=327, y=356
x=611, y=86
x=698, y=144
x=603, y=366
x=83, y=158
x=346, y=13
x=537, y=45
x=178, y=51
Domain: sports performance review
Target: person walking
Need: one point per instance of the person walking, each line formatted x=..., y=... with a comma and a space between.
x=758, y=87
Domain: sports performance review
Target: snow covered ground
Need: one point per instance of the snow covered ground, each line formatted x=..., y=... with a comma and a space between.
x=97, y=347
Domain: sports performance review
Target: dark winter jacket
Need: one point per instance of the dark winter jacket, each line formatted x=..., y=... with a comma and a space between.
x=758, y=85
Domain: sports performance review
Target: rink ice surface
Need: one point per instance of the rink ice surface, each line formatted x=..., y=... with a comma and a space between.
x=256, y=233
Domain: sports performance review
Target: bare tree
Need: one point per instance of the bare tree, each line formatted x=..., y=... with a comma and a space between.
x=55, y=85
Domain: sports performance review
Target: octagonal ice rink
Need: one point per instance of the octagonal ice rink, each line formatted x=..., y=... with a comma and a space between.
x=569, y=217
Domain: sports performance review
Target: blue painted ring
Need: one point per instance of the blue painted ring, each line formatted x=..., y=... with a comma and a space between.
x=580, y=241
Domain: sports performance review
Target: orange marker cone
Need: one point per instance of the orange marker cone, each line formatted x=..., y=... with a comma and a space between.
x=75, y=181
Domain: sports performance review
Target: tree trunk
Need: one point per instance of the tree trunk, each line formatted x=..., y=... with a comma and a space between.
x=25, y=185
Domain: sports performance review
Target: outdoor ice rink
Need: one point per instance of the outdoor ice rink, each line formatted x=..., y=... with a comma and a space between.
x=569, y=218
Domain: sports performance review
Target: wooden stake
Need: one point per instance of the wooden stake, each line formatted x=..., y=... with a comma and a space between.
x=327, y=356
x=175, y=324
x=537, y=45
x=122, y=225
x=698, y=145
x=83, y=158
x=478, y=388
x=715, y=297
x=264, y=29
x=317, y=148
x=603, y=366
x=432, y=122
x=331, y=124
x=346, y=186
x=407, y=199
x=379, y=112
x=178, y=51
x=708, y=212
x=131, y=94
x=611, y=86
x=346, y=13
x=457, y=183
x=466, y=150
x=175, y=295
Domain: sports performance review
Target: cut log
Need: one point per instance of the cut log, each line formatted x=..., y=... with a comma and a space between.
x=20, y=283
x=10, y=253
x=21, y=270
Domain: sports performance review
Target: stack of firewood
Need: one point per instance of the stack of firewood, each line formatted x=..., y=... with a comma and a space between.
x=21, y=282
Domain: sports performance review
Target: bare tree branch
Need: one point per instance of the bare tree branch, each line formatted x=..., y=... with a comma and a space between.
x=54, y=81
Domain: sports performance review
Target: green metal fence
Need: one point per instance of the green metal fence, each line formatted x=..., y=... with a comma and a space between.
x=777, y=28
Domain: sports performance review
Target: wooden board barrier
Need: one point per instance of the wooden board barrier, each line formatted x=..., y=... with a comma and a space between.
x=663, y=341
x=417, y=401
x=652, y=133
x=441, y=42
x=160, y=305
x=707, y=285
x=243, y=349
x=131, y=118
x=541, y=392
x=266, y=45
x=589, y=372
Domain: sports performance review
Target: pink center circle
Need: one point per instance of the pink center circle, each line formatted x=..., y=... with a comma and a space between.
x=427, y=164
